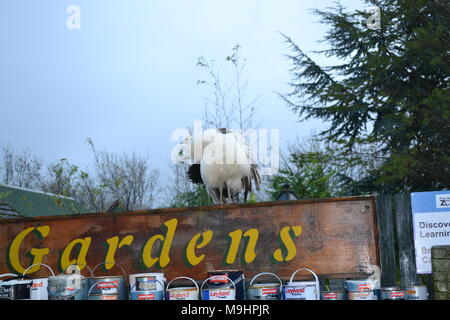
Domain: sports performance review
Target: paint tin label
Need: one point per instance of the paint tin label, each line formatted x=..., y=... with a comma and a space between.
x=220, y=279
x=393, y=295
x=146, y=295
x=183, y=294
x=338, y=295
x=264, y=292
x=300, y=292
x=219, y=294
x=362, y=295
x=146, y=283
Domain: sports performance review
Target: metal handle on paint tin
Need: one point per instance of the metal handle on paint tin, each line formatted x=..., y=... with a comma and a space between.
x=105, y=262
x=36, y=264
x=95, y=284
x=79, y=269
x=217, y=276
x=266, y=273
x=196, y=285
x=315, y=276
x=8, y=275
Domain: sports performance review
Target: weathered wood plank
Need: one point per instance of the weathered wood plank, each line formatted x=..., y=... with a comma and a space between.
x=329, y=237
x=405, y=239
x=385, y=218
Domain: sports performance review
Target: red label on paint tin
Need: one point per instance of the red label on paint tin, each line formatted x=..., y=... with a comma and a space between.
x=397, y=294
x=109, y=297
x=179, y=295
x=107, y=285
x=330, y=296
x=150, y=296
x=269, y=291
x=364, y=287
x=220, y=294
x=219, y=279
x=295, y=291
x=38, y=284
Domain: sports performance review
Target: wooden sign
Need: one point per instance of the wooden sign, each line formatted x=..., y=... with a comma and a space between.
x=328, y=236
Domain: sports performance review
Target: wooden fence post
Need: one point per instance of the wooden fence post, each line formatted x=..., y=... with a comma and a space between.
x=388, y=258
x=406, y=251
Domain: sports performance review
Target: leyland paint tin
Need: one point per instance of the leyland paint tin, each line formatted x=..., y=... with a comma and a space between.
x=392, y=293
x=15, y=287
x=265, y=291
x=156, y=294
x=68, y=287
x=417, y=292
x=39, y=289
x=182, y=293
x=221, y=280
x=218, y=293
x=332, y=295
x=302, y=290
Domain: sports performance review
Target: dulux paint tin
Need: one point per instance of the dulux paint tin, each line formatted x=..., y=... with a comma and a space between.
x=392, y=293
x=156, y=294
x=182, y=293
x=417, y=292
x=236, y=276
x=218, y=293
x=302, y=290
x=15, y=287
x=39, y=289
x=265, y=291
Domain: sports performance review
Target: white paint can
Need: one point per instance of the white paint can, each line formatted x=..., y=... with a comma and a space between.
x=265, y=291
x=39, y=288
x=146, y=281
x=182, y=293
x=302, y=290
x=417, y=292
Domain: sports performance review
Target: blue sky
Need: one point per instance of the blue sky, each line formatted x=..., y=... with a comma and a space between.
x=128, y=77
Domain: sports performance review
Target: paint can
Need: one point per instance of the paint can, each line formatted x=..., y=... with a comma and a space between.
x=218, y=293
x=39, y=289
x=332, y=295
x=146, y=281
x=363, y=284
x=154, y=294
x=182, y=293
x=362, y=295
x=392, y=293
x=237, y=276
x=108, y=295
x=15, y=287
x=68, y=287
x=417, y=292
x=265, y=291
x=302, y=290
x=108, y=286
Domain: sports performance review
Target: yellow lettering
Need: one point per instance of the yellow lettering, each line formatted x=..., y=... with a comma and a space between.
x=236, y=237
x=166, y=240
x=288, y=242
x=38, y=254
x=81, y=259
x=191, y=256
x=113, y=244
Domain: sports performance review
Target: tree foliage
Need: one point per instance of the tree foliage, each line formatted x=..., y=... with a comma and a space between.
x=391, y=90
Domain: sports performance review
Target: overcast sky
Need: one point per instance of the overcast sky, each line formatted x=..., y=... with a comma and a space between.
x=127, y=78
